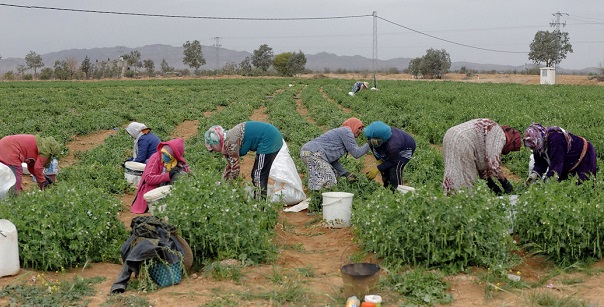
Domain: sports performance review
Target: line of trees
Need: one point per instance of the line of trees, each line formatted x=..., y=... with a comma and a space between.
x=131, y=65
x=547, y=47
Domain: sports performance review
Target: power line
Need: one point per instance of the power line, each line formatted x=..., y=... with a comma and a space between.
x=179, y=16
x=374, y=15
x=449, y=41
x=589, y=20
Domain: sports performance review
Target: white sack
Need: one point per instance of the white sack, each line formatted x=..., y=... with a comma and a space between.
x=288, y=185
x=7, y=180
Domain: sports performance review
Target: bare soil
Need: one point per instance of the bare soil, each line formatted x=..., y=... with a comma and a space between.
x=305, y=244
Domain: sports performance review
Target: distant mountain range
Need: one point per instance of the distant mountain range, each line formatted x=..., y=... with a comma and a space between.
x=218, y=57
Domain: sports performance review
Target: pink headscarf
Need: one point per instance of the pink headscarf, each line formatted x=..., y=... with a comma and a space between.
x=354, y=124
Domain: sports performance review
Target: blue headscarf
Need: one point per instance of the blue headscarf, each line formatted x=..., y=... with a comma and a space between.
x=378, y=130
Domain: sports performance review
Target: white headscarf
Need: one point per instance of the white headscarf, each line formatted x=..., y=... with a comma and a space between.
x=135, y=130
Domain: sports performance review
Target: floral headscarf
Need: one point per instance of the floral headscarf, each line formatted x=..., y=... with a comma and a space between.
x=534, y=137
x=214, y=135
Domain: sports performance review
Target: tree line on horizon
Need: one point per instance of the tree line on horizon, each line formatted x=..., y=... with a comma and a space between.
x=547, y=47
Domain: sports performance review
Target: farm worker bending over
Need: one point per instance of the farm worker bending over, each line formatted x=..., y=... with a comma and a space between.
x=145, y=142
x=393, y=148
x=358, y=86
x=564, y=153
x=263, y=138
x=321, y=155
x=473, y=149
x=36, y=151
x=162, y=168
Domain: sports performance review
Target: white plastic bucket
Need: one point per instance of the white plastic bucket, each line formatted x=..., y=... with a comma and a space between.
x=337, y=209
x=133, y=172
x=154, y=198
x=9, y=249
x=403, y=189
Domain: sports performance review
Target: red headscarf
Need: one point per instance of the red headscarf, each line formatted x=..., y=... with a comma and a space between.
x=512, y=140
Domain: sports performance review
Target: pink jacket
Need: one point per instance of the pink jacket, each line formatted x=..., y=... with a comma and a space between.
x=155, y=173
x=19, y=148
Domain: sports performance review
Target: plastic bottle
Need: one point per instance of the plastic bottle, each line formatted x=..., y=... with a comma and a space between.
x=353, y=301
x=53, y=168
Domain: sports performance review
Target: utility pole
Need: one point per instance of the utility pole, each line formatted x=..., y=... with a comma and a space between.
x=217, y=45
x=375, y=48
x=557, y=24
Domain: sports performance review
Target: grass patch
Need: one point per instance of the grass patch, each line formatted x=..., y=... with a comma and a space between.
x=44, y=292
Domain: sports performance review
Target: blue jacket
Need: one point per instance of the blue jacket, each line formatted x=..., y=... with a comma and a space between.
x=147, y=146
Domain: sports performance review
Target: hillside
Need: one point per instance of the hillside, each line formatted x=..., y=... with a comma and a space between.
x=218, y=57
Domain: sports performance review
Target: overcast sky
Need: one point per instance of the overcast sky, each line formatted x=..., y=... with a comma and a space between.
x=479, y=31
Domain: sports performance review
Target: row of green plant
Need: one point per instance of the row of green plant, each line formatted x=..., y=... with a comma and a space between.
x=425, y=109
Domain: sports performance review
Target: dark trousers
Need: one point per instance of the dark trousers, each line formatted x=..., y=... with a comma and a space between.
x=261, y=170
x=393, y=177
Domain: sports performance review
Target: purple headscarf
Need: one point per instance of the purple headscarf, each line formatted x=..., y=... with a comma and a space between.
x=534, y=137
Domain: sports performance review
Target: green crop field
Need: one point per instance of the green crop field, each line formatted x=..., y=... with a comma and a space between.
x=560, y=220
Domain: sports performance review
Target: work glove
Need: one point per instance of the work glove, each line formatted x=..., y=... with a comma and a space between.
x=508, y=188
x=532, y=178
x=493, y=186
x=351, y=177
x=50, y=181
x=372, y=173
x=174, y=171
x=43, y=185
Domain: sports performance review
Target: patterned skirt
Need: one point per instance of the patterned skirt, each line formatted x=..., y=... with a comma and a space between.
x=320, y=173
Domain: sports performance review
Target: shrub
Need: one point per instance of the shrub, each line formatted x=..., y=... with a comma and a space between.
x=421, y=228
x=219, y=222
x=64, y=226
x=563, y=220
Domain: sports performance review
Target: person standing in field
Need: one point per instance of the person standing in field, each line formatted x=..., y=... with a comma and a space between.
x=263, y=138
x=35, y=151
x=559, y=154
x=358, y=86
x=393, y=148
x=321, y=155
x=473, y=150
x=162, y=168
x=145, y=142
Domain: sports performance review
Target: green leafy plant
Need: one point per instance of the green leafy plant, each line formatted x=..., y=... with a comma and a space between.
x=64, y=227
x=418, y=287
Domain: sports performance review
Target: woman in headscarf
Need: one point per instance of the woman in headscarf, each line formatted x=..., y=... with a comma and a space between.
x=321, y=155
x=162, y=168
x=263, y=138
x=145, y=142
x=473, y=150
x=559, y=154
x=392, y=148
x=358, y=86
x=36, y=151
